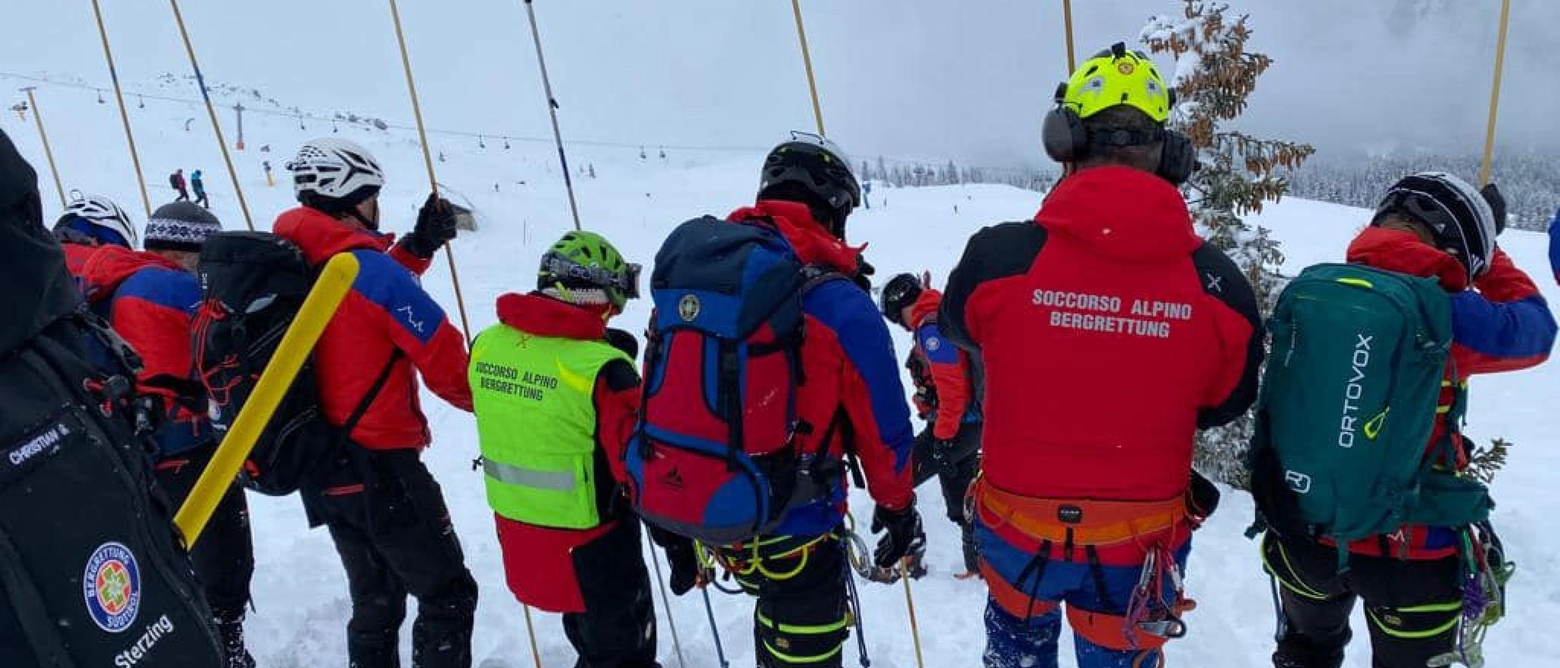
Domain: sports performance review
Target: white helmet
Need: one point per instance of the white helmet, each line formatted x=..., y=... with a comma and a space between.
x=337, y=169
x=101, y=212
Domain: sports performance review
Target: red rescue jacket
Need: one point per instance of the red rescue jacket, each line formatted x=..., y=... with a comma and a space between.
x=386, y=310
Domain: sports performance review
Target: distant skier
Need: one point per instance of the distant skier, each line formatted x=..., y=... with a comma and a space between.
x=199, y=184
x=176, y=181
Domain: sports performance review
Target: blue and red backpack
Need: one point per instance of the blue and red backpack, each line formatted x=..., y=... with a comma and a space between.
x=715, y=455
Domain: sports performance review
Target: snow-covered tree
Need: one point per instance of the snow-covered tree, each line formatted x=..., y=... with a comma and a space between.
x=1214, y=73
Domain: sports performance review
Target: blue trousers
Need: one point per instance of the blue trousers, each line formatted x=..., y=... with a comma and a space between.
x=1012, y=642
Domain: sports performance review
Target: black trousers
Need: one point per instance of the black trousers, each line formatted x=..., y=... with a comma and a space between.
x=392, y=530
x=224, y=557
x=802, y=617
x=954, y=474
x=617, y=629
x=1411, y=607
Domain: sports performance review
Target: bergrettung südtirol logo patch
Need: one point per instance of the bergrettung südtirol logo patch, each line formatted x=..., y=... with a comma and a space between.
x=111, y=585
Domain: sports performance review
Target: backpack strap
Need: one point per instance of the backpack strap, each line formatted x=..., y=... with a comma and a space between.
x=370, y=396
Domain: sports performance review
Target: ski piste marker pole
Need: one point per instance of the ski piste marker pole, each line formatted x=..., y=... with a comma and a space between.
x=329, y=290
x=211, y=111
x=433, y=179
x=124, y=113
x=552, y=110
x=666, y=603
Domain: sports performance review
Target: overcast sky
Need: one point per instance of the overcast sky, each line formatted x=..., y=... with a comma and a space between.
x=967, y=79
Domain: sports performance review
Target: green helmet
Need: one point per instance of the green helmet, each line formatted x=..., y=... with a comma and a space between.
x=584, y=261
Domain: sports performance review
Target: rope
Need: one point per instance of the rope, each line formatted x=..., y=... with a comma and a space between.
x=433, y=180
x=552, y=111
x=210, y=111
x=49, y=152
x=124, y=114
x=1500, y=64
x=812, y=83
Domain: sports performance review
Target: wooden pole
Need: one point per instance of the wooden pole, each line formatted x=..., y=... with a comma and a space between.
x=812, y=82
x=44, y=136
x=1500, y=63
x=433, y=179
x=211, y=111
x=124, y=113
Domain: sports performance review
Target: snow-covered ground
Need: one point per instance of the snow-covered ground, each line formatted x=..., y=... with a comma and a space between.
x=300, y=593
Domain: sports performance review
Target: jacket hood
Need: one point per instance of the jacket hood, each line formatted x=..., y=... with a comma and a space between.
x=811, y=241
x=321, y=236
x=38, y=289
x=925, y=307
x=544, y=316
x=1121, y=212
x=109, y=266
x=1403, y=252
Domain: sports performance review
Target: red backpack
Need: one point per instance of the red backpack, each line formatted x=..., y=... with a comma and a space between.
x=715, y=457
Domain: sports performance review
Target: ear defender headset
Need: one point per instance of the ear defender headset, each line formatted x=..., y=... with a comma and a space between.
x=1115, y=73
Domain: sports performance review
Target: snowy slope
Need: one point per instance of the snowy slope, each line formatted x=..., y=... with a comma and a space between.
x=300, y=593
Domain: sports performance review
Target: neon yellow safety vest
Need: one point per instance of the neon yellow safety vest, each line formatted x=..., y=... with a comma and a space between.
x=536, y=421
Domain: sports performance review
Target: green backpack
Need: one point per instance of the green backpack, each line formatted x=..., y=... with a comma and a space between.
x=1349, y=402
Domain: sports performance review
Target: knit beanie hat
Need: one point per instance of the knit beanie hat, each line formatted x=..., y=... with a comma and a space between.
x=180, y=226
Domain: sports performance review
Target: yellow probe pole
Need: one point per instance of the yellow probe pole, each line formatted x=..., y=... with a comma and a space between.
x=328, y=291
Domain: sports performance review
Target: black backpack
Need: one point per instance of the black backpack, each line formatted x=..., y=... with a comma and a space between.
x=252, y=285
x=91, y=570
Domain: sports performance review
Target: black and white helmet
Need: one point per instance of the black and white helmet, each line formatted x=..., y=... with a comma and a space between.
x=1456, y=213
x=813, y=165
x=100, y=212
x=335, y=169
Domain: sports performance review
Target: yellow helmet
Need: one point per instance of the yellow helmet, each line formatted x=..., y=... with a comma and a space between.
x=1114, y=77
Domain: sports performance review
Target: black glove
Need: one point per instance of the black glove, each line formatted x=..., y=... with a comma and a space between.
x=904, y=539
x=1497, y=203
x=623, y=341
x=687, y=573
x=435, y=227
x=864, y=272
x=1202, y=498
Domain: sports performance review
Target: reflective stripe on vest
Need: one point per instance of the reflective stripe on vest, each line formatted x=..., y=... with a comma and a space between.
x=534, y=398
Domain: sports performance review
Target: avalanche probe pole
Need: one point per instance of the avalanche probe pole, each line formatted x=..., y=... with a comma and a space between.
x=433, y=182
x=915, y=628
x=210, y=111
x=812, y=83
x=1072, y=58
x=552, y=110
x=666, y=602
x=44, y=136
x=328, y=291
x=124, y=114
x=1500, y=63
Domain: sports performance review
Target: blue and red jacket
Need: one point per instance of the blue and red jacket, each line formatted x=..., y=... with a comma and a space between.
x=386, y=311
x=849, y=362
x=151, y=303
x=1501, y=324
x=1109, y=333
x=947, y=385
